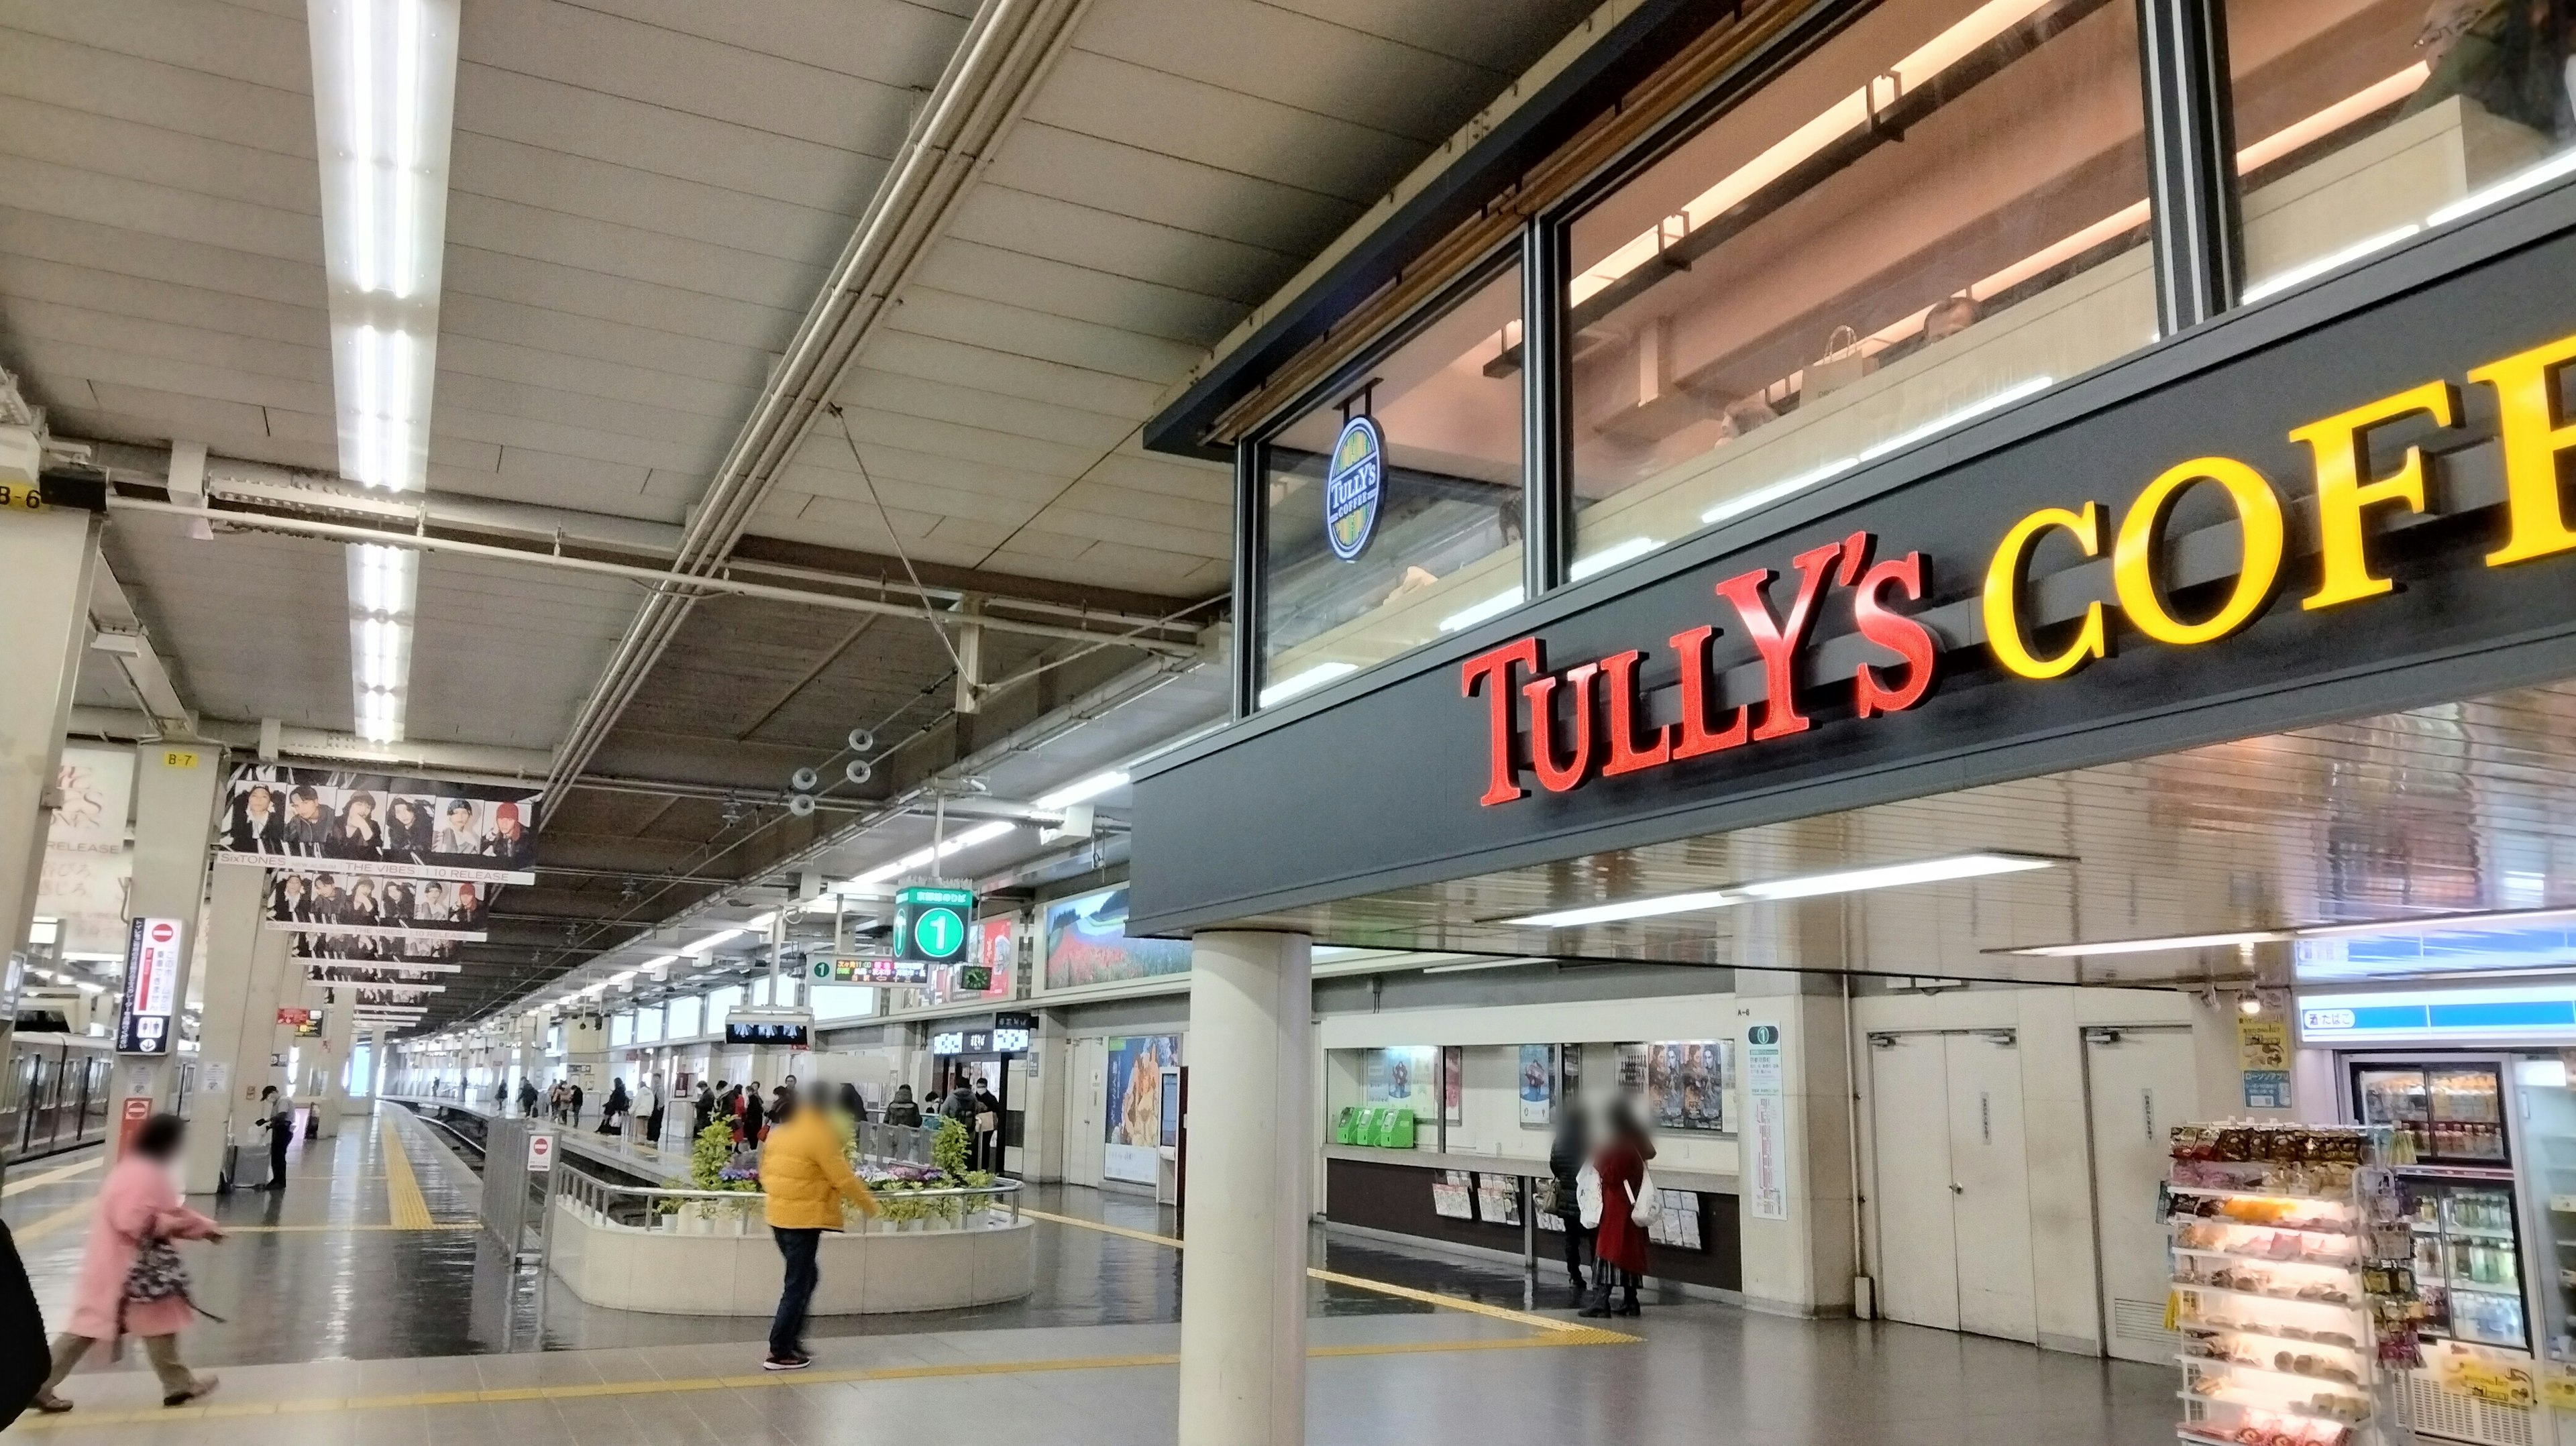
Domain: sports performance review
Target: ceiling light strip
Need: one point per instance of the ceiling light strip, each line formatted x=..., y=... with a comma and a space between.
x=1796, y=886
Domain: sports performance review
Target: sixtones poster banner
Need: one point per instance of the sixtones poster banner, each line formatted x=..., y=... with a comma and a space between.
x=1136, y=1066
x=362, y=906
x=383, y=825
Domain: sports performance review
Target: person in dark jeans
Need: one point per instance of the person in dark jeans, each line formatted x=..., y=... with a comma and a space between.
x=1565, y=1157
x=280, y=1123
x=805, y=1177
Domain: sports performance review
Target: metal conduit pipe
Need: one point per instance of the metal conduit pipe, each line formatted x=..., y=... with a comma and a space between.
x=1006, y=53
x=665, y=584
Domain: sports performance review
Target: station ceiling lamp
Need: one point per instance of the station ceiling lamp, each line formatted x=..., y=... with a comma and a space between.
x=1795, y=886
x=922, y=858
x=384, y=90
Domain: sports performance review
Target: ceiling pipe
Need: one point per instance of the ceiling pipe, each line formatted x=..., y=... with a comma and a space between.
x=1006, y=53
x=665, y=585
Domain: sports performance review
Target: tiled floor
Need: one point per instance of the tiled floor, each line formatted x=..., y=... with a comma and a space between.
x=373, y=1335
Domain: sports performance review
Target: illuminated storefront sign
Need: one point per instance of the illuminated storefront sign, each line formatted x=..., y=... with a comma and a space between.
x=1355, y=487
x=2521, y=1015
x=1567, y=725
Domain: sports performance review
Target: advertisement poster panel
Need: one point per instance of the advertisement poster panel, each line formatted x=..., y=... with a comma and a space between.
x=87, y=858
x=385, y=824
x=1085, y=942
x=1686, y=1084
x=306, y=901
x=1538, y=1085
x=1135, y=1112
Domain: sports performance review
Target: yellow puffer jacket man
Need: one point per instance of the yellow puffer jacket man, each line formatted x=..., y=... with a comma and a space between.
x=805, y=1176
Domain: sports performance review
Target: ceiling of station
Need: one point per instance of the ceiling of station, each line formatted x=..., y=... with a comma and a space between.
x=645, y=197
x=2459, y=809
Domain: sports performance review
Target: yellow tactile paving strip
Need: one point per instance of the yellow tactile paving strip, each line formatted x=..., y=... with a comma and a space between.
x=402, y=1188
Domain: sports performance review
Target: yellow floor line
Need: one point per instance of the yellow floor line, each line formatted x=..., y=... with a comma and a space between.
x=53, y=1222
x=1355, y=1282
x=350, y=1226
x=411, y=1212
x=757, y=1381
x=19, y=1187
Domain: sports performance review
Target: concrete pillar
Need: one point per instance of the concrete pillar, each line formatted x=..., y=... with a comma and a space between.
x=1797, y=1246
x=176, y=782
x=46, y=559
x=338, y=1030
x=379, y=1069
x=245, y=965
x=1243, y=1292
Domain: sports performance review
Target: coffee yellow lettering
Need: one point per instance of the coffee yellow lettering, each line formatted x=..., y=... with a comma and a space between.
x=2133, y=554
x=2345, y=489
x=2528, y=426
x=2003, y=591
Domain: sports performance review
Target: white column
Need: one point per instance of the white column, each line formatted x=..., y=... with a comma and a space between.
x=245, y=965
x=1243, y=1292
x=337, y=1032
x=175, y=783
x=45, y=564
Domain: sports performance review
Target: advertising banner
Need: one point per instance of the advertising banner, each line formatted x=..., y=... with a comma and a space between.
x=1085, y=942
x=327, y=902
x=365, y=949
x=387, y=825
x=1538, y=1085
x=1686, y=1084
x=1404, y=1074
x=1135, y=1112
x=87, y=858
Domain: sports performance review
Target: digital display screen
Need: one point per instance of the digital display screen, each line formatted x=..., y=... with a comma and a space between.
x=755, y=1031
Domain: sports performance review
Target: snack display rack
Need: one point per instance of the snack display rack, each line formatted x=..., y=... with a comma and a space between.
x=2293, y=1285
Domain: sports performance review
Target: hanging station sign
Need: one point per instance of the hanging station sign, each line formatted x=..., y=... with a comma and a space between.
x=930, y=922
x=1355, y=488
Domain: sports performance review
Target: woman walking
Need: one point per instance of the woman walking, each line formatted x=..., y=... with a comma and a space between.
x=1619, y=1200
x=131, y=1280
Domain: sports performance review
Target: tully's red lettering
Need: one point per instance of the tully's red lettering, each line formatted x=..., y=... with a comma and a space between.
x=1697, y=737
x=1619, y=679
x=1496, y=668
x=1778, y=640
x=1899, y=634
x=1553, y=776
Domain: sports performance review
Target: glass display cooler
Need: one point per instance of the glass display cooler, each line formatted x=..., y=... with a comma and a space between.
x=2456, y=1179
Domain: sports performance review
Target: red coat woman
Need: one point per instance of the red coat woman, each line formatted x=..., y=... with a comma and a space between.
x=1619, y=1243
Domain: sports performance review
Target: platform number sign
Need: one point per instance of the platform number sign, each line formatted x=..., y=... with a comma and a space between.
x=930, y=923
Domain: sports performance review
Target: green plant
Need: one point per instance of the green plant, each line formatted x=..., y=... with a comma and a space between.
x=710, y=1155
x=952, y=1149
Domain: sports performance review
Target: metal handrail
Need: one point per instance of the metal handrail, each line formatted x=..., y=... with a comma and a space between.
x=601, y=1197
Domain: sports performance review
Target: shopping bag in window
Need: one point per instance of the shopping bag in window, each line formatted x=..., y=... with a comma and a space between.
x=1842, y=364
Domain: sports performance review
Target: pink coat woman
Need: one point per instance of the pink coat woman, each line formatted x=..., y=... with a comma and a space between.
x=138, y=1200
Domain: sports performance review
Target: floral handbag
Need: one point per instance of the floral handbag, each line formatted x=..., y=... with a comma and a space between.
x=158, y=1274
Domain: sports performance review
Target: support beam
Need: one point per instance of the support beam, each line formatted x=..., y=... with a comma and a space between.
x=1243, y=1295
x=46, y=558
x=175, y=786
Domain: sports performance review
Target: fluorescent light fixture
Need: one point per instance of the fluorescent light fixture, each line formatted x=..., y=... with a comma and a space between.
x=1798, y=886
x=1083, y=790
x=384, y=88
x=1483, y=964
x=1466, y=617
x=658, y=963
x=2309, y=271
x=699, y=949
x=759, y=923
x=1611, y=556
x=923, y=858
x=1312, y=678
x=622, y=976
x=2150, y=946
x=2444, y=924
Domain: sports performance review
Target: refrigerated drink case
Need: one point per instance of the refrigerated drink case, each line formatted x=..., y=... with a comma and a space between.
x=2457, y=1191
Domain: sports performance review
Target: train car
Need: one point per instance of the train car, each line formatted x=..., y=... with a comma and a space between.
x=55, y=1096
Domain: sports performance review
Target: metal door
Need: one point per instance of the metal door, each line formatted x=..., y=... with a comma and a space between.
x=1990, y=1186
x=2139, y=1084
x=1918, y=1253
x=1086, y=1112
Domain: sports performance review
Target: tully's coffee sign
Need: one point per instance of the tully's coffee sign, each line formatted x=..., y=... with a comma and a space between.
x=1585, y=718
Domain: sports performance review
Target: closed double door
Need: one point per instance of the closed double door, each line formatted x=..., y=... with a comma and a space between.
x=1953, y=1194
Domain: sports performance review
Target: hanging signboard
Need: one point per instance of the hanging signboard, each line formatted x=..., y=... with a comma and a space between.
x=1766, y=1123
x=324, y=901
x=383, y=824
x=151, y=988
x=930, y=922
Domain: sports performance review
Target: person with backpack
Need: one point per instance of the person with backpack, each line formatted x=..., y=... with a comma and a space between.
x=132, y=1282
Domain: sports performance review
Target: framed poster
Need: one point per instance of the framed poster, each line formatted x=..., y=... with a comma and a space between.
x=1453, y=1084
x=1133, y=1147
x=1538, y=1086
x=1402, y=1075
x=1686, y=1084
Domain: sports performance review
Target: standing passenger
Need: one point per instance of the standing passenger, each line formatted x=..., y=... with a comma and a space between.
x=1619, y=1241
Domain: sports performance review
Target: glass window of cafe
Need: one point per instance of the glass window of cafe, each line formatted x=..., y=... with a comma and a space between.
x=1394, y=506
x=1938, y=212
x=2362, y=122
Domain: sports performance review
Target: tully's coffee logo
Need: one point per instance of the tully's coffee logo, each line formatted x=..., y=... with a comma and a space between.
x=1588, y=719
x=1355, y=488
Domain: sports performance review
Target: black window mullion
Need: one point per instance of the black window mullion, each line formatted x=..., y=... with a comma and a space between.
x=1251, y=548
x=1547, y=405
x=2191, y=161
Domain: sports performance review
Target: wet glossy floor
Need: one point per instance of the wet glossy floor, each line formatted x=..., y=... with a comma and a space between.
x=343, y=1328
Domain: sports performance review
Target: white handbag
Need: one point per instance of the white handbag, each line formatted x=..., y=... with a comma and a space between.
x=1643, y=1209
x=1587, y=1196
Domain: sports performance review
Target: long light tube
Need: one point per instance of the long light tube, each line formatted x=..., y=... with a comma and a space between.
x=384, y=91
x=1798, y=886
